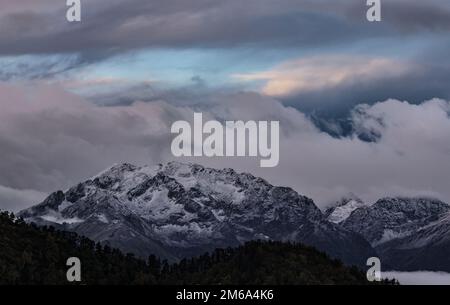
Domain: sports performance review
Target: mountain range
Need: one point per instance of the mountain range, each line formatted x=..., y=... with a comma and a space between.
x=407, y=233
x=179, y=210
x=32, y=255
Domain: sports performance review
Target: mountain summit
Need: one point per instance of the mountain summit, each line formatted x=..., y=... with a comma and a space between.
x=180, y=210
x=343, y=208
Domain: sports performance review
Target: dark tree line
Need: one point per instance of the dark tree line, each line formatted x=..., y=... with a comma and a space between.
x=37, y=255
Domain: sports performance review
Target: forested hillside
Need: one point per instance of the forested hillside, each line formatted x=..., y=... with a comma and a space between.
x=37, y=255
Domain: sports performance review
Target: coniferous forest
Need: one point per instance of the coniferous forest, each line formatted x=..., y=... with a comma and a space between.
x=32, y=255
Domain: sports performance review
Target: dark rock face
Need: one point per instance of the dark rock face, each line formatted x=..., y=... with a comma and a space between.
x=179, y=210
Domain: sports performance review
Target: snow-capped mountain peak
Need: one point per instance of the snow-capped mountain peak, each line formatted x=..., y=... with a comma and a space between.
x=180, y=209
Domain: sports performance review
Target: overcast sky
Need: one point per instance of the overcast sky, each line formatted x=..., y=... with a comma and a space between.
x=77, y=97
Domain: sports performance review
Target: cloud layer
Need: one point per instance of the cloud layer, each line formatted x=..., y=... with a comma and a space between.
x=51, y=139
x=320, y=56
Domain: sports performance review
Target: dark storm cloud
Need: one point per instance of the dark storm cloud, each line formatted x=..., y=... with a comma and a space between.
x=138, y=24
x=123, y=25
x=412, y=16
x=112, y=27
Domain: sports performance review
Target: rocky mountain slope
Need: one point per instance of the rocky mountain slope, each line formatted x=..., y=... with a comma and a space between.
x=408, y=233
x=181, y=210
x=391, y=218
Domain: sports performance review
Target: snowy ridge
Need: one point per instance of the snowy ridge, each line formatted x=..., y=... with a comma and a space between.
x=408, y=233
x=391, y=218
x=343, y=208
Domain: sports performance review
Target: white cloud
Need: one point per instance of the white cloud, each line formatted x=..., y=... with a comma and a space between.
x=50, y=138
x=411, y=157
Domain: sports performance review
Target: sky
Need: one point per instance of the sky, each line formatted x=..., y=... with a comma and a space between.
x=363, y=106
